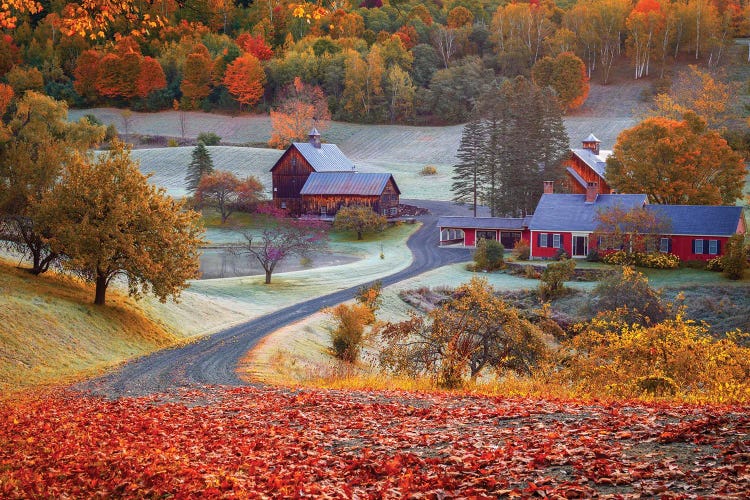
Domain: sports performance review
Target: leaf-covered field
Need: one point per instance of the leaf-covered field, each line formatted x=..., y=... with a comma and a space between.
x=264, y=442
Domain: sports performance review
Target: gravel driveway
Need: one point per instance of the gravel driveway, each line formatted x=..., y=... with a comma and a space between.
x=213, y=359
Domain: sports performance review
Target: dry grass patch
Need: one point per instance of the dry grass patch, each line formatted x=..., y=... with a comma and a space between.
x=50, y=332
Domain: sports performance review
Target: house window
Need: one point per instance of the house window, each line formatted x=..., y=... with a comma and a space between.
x=713, y=247
x=445, y=235
x=543, y=240
x=556, y=240
x=665, y=245
x=697, y=246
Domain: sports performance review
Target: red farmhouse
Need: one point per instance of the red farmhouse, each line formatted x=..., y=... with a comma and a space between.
x=568, y=221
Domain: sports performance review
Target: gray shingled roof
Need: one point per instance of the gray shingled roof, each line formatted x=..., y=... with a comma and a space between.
x=570, y=212
x=597, y=163
x=327, y=158
x=508, y=223
x=700, y=220
x=342, y=183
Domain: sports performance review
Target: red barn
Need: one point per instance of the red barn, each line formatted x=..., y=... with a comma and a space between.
x=317, y=179
x=587, y=165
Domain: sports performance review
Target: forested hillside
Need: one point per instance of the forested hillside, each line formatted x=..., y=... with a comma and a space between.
x=373, y=62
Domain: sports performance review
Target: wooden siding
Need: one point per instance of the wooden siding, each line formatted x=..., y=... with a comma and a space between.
x=388, y=199
x=570, y=185
x=288, y=176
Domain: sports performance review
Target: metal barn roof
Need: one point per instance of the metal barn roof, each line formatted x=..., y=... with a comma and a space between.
x=326, y=158
x=346, y=183
x=598, y=163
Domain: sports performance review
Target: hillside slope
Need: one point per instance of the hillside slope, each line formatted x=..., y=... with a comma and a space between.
x=51, y=332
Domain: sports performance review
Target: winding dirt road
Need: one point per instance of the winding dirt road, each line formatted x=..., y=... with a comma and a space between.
x=213, y=359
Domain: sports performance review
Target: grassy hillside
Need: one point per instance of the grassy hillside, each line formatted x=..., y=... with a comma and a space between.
x=51, y=332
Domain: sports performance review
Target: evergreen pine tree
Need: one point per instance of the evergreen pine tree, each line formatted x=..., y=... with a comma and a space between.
x=200, y=165
x=467, y=175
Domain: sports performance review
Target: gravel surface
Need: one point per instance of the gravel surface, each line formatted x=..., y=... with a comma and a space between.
x=213, y=359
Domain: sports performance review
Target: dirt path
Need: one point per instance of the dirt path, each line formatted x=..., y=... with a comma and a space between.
x=213, y=360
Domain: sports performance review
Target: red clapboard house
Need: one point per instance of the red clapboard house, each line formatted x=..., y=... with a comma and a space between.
x=317, y=179
x=568, y=222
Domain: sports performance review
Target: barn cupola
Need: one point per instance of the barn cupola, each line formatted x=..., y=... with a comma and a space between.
x=592, y=144
x=314, y=138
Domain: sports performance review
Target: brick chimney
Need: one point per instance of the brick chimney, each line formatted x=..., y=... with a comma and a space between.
x=549, y=187
x=592, y=144
x=314, y=136
x=592, y=191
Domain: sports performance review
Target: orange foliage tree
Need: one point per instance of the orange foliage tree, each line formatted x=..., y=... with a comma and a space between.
x=255, y=45
x=86, y=74
x=676, y=162
x=245, y=78
x=301, y=107
x=566, y=74
x=126, y=73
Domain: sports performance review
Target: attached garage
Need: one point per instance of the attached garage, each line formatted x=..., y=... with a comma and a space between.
x=466, y=231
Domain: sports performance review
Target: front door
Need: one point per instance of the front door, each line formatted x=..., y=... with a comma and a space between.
x=580, y=246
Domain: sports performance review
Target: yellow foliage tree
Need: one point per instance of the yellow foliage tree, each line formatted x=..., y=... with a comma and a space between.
x=109, y=221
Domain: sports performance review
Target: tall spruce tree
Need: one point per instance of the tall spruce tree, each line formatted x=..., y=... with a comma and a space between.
x=468, y=174
x=200, y=165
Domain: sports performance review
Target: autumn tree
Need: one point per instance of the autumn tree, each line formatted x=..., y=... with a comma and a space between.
x=86, y=74
x=41, y=142
x=197, y=76
x=360, y=219
x=282, y=237
x=109, y=222
x=677, y=163
x=200, y=166
x=474, y=331
x=255, y=45
x=566, y=74
x=301, y=107
x=644, y=23
x=400, y=92
x=226, y=193
x=244, y=78
x=698, y=91
x=126, y=73
x=363, y=84
x=634, y=230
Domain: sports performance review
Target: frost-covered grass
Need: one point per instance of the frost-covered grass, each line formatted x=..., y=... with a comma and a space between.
x=210, y=305
x=169, y=165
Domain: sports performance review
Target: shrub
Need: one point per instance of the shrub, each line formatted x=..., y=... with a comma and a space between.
x=348, y=334
x=561, y=254
x=521, y=250
x=655, y=260
x=675, y=357
x=629, y=297
x=593, y=255
x=531, y=273
x=554, y=277
x=428, y=170
x=715, y=264
x=172, y=143
x=110, y=133
x=209, y=138
x=93, y=120
x=489, y=255
x=734, y=260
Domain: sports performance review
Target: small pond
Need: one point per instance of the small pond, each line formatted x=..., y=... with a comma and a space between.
x=221, y=263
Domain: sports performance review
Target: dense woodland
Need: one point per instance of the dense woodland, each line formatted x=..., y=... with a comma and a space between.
x=398, y=61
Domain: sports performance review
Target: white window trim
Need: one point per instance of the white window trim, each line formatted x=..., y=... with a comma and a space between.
x=543, y=240
x=713, y=247
x=664, y=245
x=556, y=240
